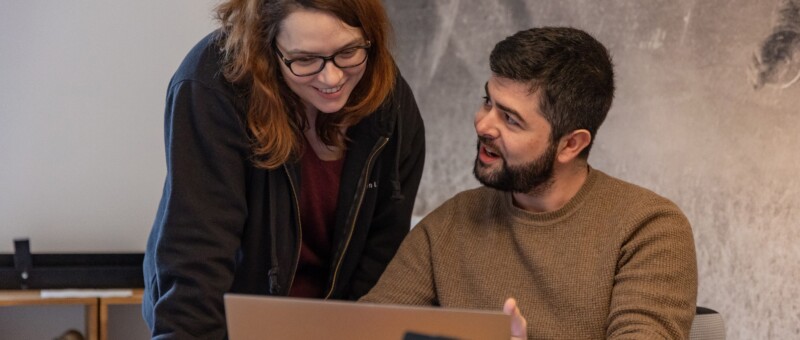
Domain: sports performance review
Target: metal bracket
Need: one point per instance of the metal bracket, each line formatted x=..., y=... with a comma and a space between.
x=22, y=260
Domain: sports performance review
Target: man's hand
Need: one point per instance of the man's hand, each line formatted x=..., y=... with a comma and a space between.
x=519, y=326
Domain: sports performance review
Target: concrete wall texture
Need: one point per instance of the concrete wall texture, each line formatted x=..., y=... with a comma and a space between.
x=706, y=114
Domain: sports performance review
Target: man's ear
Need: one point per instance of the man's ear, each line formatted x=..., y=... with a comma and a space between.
x=571, y=145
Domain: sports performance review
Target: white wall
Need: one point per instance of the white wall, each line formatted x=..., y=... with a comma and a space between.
x=82, y=86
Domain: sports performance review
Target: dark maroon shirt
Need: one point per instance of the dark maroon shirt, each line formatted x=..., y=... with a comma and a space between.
x=319, y=192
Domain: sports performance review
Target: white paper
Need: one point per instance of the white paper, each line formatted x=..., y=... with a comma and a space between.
x=83, y=293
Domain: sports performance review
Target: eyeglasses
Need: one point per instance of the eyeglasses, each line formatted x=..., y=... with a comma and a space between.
x=310, y=65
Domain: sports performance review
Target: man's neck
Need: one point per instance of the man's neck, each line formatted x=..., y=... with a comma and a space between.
x=565, y=185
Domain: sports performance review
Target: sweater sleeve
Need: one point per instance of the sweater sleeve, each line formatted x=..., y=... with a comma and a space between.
x=409, y=278
x=392, y=219
x=189, y=261
x=655, y=290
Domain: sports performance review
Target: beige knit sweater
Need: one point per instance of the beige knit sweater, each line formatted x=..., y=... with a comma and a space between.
x=617, y=262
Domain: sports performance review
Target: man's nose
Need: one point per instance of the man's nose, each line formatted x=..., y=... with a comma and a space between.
x=485, y=124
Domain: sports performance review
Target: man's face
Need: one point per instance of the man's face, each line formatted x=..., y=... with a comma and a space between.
x=514, y=148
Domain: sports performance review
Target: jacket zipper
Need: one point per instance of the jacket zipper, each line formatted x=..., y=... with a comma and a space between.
x=299, y=231
x=360, y=199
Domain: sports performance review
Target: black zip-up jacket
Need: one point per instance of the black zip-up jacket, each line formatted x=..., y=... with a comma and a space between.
x=225, y=226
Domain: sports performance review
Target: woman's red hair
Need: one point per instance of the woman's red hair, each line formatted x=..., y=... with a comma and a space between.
x=275, y=116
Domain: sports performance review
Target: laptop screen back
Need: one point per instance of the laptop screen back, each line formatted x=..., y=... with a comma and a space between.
x=252, y=317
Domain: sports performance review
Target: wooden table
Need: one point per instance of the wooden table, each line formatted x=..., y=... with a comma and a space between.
x=96, y=308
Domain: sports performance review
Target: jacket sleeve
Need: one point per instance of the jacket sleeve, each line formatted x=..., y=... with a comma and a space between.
x=392, y=219
x=655, y=288
x=189, y=261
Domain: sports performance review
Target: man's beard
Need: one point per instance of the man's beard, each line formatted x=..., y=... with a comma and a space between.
x=532, y=177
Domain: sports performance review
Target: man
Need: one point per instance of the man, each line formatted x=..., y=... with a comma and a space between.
x=586, y=256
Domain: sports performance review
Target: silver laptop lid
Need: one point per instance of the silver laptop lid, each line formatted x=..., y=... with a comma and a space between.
x=252, y=317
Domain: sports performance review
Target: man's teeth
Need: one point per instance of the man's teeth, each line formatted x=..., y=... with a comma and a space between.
x=490, y=152
x=330, y=90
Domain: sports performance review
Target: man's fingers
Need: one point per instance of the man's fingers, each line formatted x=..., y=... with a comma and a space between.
x=519, y=326
x=510, y=306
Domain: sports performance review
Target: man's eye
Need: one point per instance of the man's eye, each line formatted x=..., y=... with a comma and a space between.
x=510, y=120
x=486, y=101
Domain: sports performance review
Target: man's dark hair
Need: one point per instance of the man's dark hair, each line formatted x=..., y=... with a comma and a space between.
x=572, y=70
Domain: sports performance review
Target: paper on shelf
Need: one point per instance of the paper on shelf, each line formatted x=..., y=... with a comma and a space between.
x=83, y=293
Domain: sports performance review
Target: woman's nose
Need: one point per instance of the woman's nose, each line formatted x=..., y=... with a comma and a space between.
x=331, y=74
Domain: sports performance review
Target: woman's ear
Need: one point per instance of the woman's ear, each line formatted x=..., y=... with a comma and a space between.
x=571, y=145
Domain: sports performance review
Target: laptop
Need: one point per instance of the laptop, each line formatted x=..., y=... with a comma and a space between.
x=252, y=317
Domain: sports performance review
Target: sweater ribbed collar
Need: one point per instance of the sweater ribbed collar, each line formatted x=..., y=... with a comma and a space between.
x=524, y=217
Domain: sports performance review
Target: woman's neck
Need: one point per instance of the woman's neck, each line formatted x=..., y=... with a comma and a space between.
x=324, y=152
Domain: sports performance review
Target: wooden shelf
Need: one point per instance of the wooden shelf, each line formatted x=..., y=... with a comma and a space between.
x=96, y=308
x=103, y=304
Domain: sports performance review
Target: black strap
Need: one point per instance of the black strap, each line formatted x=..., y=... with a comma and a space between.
x=22, y=260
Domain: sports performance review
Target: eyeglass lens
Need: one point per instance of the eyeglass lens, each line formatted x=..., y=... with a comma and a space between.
x=349, y=57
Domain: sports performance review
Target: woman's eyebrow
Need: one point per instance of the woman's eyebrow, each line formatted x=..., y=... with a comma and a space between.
x=356, y=42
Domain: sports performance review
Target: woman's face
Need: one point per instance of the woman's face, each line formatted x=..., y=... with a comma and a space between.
x=307, y=33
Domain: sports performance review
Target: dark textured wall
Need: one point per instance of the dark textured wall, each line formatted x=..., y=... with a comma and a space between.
x=706, y=114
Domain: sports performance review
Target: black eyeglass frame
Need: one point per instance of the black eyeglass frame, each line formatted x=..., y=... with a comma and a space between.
x=325, y=59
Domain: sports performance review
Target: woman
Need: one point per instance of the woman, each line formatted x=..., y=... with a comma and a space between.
x=294, y=152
